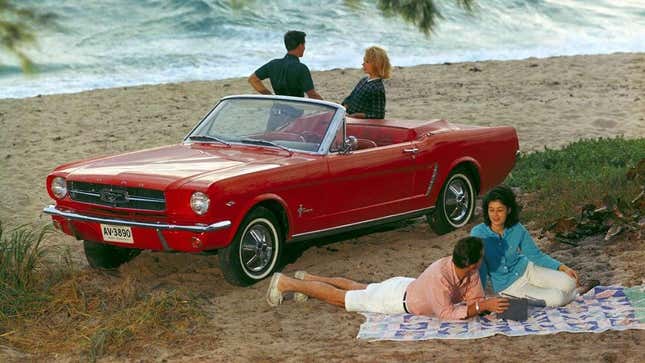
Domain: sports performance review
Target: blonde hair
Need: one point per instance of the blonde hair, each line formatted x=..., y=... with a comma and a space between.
x=378, y=57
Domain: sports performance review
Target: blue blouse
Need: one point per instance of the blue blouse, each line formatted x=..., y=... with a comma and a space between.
x=506, y=257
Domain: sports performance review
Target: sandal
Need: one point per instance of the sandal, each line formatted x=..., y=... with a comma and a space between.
x=274, y=295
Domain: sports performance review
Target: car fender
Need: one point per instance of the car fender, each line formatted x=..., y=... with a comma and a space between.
x=257, y=200
x=464, y=160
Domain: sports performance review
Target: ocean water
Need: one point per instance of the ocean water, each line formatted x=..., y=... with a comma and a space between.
x=102, y=44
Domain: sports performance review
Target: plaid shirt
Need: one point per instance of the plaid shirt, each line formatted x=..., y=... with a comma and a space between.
x=368, y=98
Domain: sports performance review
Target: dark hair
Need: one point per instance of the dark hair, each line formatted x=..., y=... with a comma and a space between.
x=293, y=38
x=467, y=251
x=505, y=195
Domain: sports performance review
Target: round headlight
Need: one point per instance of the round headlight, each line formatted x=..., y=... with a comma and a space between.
x=199, y=202
x=59, y=187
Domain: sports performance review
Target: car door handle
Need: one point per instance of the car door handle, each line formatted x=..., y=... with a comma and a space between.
x=414, y=150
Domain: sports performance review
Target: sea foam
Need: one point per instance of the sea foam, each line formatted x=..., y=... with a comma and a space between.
x=124, y=43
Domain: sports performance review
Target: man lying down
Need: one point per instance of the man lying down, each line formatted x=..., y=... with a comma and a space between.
x=450, y=288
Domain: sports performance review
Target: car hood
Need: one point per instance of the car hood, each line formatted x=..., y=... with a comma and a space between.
x=177, y=164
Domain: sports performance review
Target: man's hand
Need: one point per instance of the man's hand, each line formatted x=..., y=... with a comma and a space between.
x=313, y=94
x=257, y=85
x=569, y=271
x=494, y=304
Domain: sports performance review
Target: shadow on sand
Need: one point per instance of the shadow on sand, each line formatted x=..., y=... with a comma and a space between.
x=295, y=250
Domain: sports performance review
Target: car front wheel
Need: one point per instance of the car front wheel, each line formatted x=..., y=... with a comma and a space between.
x=102, y=255
x=455, y=204
x=255, y=250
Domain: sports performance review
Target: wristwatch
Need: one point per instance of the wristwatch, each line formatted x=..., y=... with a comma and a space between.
x=477, y=306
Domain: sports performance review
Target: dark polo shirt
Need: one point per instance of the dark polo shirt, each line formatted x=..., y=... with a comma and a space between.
x=288, y=76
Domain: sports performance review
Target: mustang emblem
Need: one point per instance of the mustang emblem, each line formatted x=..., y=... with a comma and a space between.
x=302, y=210
x=114, y=196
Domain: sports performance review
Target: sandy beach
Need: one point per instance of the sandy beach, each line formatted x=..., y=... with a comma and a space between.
x=551, y=102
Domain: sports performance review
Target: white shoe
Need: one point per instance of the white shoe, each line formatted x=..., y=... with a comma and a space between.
x=588, y=285
x=274, y=295
x=298, y=296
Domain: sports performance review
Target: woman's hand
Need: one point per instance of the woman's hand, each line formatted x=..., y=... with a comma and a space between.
x=569, y=271
x=494, y=305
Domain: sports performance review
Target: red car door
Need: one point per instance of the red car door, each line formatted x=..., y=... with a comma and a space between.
x=428, y=165
x=369, y=184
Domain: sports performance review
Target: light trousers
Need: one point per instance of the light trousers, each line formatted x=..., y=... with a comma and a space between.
x=554, y=287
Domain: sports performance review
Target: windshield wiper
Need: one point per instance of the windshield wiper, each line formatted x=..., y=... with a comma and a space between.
x=266, y=143
x=208, y=138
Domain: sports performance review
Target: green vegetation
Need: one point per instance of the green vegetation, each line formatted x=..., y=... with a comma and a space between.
x=558, y=182
x=18, y=27
x=103, y=319
x=21, y=255
x=424, y=14
x=48, y=305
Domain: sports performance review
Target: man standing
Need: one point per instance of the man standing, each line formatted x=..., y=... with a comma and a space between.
x=449, y=289
x=288, y=76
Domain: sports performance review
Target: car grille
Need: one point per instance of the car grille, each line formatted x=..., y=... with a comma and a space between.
x=117, y=196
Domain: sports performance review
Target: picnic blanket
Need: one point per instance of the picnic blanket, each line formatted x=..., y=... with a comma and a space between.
x=602, y=308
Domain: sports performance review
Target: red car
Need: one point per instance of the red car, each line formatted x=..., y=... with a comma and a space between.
x=258, y=172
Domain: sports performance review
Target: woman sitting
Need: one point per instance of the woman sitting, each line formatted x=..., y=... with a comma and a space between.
x=367, y=100
x=515, y=265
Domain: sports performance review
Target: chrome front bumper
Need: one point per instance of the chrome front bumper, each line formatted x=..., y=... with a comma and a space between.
x=51, y=209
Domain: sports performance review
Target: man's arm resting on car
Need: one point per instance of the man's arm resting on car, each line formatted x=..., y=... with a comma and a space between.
x=257, y=85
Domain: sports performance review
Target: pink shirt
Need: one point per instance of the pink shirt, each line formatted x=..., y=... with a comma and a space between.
x=438, y=291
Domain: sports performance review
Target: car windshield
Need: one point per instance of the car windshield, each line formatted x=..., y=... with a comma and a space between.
x=294, y=125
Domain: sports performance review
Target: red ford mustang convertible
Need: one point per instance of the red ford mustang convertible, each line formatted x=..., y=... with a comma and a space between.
x=258, y=172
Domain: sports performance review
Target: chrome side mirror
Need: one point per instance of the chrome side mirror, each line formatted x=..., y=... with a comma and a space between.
x=349, y=144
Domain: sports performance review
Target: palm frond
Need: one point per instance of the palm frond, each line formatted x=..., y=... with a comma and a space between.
x=424, y=14
x=18, y=27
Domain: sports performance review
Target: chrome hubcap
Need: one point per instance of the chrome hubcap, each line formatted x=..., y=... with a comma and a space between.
x=457, y=201
x=257, y=248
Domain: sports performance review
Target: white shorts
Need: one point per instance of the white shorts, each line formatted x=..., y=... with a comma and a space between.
x=384, y=297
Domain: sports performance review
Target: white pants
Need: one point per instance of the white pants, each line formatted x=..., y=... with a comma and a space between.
x=554, y=287
x=384, y=297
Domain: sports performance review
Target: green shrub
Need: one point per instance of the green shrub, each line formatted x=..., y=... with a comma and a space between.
x=49, y=306
x=21, y=255
x=559, y=181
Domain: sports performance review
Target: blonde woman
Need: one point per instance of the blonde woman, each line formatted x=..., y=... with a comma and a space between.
x=367, y=100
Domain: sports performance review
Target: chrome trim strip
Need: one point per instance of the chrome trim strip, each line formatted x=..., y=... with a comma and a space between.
x=335, y=124
x=284, y=98
x=51, y=209
x=85, y=193
x=144, y=199
x=432, y=179
x=362, y=222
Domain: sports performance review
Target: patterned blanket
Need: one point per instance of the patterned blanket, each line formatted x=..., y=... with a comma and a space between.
x=602, y=308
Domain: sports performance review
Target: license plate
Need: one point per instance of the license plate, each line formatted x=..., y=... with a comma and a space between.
x=113, y=233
